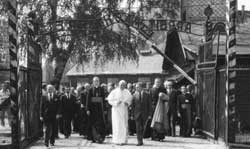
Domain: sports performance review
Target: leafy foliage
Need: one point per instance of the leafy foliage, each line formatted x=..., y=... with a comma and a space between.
x=87, y=39
x=75, y=29
x=97, y=40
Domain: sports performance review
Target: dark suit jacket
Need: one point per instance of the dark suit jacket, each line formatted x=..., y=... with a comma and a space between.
x=186, y=99
x=49, y=108
x=141, y=107
x=84, y=98
x=68, y=107
x=173, y=101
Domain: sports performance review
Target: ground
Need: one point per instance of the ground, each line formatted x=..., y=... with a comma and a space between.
x=77, y=142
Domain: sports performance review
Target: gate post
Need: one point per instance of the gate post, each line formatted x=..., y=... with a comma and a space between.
x=209, y=31
x=12, y=22
x=230, y=110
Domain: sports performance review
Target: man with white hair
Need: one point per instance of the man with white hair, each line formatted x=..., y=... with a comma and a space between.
x=120, y=99
x=50, y=112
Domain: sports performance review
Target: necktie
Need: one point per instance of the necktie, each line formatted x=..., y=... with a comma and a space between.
x=140, y=96
x=50, y=97
x=96, y=92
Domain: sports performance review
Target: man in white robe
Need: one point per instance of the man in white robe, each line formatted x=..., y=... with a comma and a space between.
x=120, y=98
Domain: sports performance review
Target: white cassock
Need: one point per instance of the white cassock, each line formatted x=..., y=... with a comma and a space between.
x=119, y=114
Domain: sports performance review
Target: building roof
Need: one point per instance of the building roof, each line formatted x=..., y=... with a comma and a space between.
x=147, y=64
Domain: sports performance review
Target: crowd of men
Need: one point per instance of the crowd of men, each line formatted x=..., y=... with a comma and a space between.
x=98, y=110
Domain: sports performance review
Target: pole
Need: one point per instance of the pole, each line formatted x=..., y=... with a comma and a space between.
x=230, y=111
x=12, y=20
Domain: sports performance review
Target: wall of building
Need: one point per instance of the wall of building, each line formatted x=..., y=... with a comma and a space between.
x=80, y=80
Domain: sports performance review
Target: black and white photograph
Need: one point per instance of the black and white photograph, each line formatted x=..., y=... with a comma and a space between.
x=125, y=74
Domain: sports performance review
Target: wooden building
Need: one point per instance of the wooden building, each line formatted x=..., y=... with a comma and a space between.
x=148, y=67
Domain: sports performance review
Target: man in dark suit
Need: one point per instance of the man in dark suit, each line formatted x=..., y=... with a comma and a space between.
x=49, y=113
x=172, y=112
x=185, y=104
x=68, y=109
x=84, y=119
x=60, y=120
x=110, y=87
x=131, y=121
x=142, y=111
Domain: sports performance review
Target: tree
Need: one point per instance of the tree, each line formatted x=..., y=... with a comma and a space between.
x=85, y=39
x=75, y=29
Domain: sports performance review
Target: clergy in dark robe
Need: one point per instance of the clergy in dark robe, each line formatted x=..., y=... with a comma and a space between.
x=160, y=121
x=155, y=91
x=68, y=110
x=95, y=111
x=172, y=112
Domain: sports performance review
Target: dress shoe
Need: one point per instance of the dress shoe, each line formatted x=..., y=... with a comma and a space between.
x=46, y=144
x=139, y=144
x=120, y=144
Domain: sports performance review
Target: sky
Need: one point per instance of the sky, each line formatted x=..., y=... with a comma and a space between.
x=244, y=2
